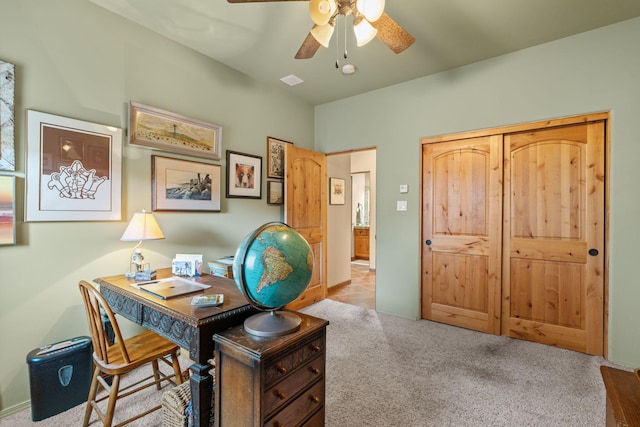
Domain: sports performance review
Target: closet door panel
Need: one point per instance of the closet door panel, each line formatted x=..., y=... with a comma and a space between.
x=554, y=198
x=462, y=232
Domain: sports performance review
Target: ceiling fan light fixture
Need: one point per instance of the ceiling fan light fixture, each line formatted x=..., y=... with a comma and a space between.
x=323, y=33
x=371, y=9
x=364, y=31
x=322, y=10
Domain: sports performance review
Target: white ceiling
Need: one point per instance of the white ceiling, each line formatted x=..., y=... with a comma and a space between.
x=260, y=39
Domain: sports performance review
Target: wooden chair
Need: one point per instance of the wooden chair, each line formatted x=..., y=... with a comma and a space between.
x=121, y=357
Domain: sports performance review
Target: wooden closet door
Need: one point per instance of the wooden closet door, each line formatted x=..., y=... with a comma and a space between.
x=461, y=230
x=553, y=267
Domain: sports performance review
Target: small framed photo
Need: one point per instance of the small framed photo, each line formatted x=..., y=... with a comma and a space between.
x=275, y=157
x=275, y=192
x=187, y=265
x=160, y=129
x=7, y=210
x=244, y=175
x=184, y=185
x=183, y=267
x=73, y=170
x=336, y=191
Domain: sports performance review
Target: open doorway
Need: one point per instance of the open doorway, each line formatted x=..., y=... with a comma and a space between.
x=351, y=229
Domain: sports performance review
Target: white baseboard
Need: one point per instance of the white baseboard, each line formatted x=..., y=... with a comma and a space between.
x=15, y=408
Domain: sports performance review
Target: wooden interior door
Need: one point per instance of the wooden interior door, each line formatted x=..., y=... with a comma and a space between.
x=553, y=267
x=305, y=199
x=461, y=230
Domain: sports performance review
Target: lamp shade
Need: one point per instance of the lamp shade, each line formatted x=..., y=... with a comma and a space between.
x=364, y=31
x=143, y=226
x=371, y=9
x=323, y=33
x=321, y=10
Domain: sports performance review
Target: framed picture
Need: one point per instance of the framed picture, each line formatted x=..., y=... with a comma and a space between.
x=336, y=191
x=275, y=157
x=184, y=185
x=163, y=130
x=73, y=170
x=7, y=119
x=7, y=210
x=275, y=192
x=244, y=175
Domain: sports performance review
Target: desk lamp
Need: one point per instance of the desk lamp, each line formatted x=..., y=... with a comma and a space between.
x=143, y=226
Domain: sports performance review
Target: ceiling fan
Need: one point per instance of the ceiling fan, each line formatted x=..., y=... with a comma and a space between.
x=369, y=21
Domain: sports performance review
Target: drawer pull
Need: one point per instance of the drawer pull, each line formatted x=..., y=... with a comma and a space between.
x=314, y=371
x=314, y=399
x=277, y=424
x=315, y=347
x=281, y=369
x=280, y=395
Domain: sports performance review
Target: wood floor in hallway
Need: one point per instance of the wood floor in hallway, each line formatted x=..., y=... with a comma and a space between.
x=361, y=291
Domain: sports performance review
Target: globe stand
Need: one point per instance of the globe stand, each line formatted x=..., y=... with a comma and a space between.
x=272, y=323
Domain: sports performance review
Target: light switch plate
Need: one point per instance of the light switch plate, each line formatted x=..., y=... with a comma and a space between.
x=404, y=188
x=401, y=205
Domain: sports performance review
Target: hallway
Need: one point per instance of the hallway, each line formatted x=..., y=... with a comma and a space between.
x=361, y=291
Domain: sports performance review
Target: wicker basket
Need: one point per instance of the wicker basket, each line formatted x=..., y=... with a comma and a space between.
x=174, y=406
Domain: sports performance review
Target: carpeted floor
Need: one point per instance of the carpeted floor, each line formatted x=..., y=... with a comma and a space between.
x=384, y=370
x=388, y=371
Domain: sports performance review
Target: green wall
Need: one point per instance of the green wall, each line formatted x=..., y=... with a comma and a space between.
x=591, y=72
x=75, y=59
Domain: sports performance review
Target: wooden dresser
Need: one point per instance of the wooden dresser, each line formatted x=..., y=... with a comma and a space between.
x=623, y=397
x=361, y=242
x=272, y=382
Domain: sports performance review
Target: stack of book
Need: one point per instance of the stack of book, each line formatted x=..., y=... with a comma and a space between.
x=222, y=267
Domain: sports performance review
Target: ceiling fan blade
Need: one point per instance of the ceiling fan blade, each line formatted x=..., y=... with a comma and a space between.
x=392, y=34
x=309, y=48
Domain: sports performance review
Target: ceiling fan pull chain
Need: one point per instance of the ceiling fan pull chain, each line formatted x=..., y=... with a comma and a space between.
x=337, y=44
x=345, y=37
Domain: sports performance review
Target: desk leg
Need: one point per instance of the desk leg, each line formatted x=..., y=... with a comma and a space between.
x=201, y=389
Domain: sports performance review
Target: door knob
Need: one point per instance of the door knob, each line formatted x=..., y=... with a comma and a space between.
x=428, y=242
x=593, y=252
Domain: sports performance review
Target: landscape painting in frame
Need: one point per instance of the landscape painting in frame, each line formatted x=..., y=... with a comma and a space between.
x=163, y=130
x=7, y=210
x=73, y=170
x=184, y=185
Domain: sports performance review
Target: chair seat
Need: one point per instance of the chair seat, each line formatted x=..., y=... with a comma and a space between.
x=142, y=348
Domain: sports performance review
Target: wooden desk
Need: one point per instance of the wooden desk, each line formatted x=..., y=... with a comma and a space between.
x=277, y=381
x=177, y=320
x=623, y=397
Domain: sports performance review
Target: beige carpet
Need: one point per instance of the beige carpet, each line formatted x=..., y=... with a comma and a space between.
x=387, y=371
x=383, y=370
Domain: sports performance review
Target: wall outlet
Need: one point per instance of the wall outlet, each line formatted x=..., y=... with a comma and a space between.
x=404, y=188
x=401, y=205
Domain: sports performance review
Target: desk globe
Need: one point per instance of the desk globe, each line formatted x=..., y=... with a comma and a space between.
x=272, y=267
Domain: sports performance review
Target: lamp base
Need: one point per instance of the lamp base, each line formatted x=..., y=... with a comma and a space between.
x=272, y=323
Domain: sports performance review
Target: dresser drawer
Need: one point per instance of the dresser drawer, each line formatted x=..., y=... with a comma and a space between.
x=317, y=420
x=306, y=404
x=361, y=232
x=283, y=366
x=283, y=391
